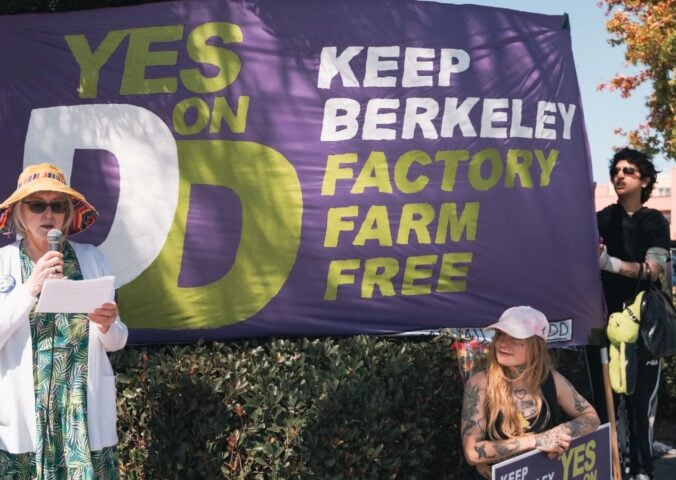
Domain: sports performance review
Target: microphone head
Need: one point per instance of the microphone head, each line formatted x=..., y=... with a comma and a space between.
x=54, y=237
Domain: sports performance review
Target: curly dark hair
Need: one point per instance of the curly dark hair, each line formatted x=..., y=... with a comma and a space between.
x=644, y=165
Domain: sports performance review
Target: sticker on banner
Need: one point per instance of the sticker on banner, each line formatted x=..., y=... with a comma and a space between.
x=559, y=331
x=7, y=284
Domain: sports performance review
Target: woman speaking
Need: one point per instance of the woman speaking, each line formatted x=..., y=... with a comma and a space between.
x=57, y=406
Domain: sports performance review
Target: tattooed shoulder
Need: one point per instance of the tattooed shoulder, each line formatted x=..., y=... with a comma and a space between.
x=470, y=402
x=580, y=402
x=472, y=417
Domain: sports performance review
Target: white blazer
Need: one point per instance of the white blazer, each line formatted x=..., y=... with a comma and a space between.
x=17, y=397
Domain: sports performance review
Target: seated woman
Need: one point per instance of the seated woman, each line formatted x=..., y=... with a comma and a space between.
x=511, y=407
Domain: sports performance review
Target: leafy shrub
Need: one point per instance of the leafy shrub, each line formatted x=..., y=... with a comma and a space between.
x=32, y=6
x=667, y=395
x=358, y=407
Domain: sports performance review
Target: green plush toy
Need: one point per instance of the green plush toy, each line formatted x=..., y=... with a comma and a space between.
x=623, y=331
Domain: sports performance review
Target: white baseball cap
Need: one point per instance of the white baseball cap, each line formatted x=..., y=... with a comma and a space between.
x=522, y=322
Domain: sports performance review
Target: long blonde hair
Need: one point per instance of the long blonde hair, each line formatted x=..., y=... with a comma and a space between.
x=499, y=388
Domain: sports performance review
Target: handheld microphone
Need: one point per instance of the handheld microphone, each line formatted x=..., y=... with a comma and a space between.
x=54, y=237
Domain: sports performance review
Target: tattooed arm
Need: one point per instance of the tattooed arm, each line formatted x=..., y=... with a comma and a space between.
x=477, y=449
x=584, y=417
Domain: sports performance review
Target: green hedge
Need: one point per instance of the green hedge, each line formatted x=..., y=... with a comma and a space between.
x=43, y=6
x=358, y=407
x=666, y=410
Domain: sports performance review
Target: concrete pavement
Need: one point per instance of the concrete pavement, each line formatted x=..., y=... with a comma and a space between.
x=665, y=466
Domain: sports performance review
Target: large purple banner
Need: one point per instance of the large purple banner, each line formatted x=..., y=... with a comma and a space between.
x=314, y=167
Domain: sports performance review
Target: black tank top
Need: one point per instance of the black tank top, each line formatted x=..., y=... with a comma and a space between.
x=548, y=416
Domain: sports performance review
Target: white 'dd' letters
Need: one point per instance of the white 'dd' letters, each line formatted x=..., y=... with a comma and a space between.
x=148, y=162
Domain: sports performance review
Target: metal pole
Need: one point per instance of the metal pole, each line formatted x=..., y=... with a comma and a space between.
x=610, y=406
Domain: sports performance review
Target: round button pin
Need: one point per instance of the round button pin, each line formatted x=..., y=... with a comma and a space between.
x=7, y=283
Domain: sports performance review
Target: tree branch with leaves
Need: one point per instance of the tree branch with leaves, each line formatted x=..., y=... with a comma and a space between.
x=647, y=29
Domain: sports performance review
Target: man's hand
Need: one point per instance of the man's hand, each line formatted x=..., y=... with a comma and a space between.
x=608, y=263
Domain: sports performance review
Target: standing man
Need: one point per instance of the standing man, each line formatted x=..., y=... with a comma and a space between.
x=634, y=241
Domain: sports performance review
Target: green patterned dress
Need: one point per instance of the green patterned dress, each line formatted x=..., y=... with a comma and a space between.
x=60, y=377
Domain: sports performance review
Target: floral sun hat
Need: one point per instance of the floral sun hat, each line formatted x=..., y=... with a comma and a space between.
x=45, y=177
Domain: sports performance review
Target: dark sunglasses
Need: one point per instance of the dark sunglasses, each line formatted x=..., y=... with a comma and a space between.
x=38, y=206
x=629, y=171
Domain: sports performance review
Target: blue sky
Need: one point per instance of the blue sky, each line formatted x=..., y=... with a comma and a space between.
x=596, y=61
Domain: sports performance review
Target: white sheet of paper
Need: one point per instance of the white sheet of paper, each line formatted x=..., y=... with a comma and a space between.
x=75, y=296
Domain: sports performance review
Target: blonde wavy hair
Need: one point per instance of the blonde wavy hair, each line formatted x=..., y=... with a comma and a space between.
x=499, y=387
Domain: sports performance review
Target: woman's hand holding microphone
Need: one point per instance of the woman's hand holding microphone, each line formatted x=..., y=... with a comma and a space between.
x=50, y=265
